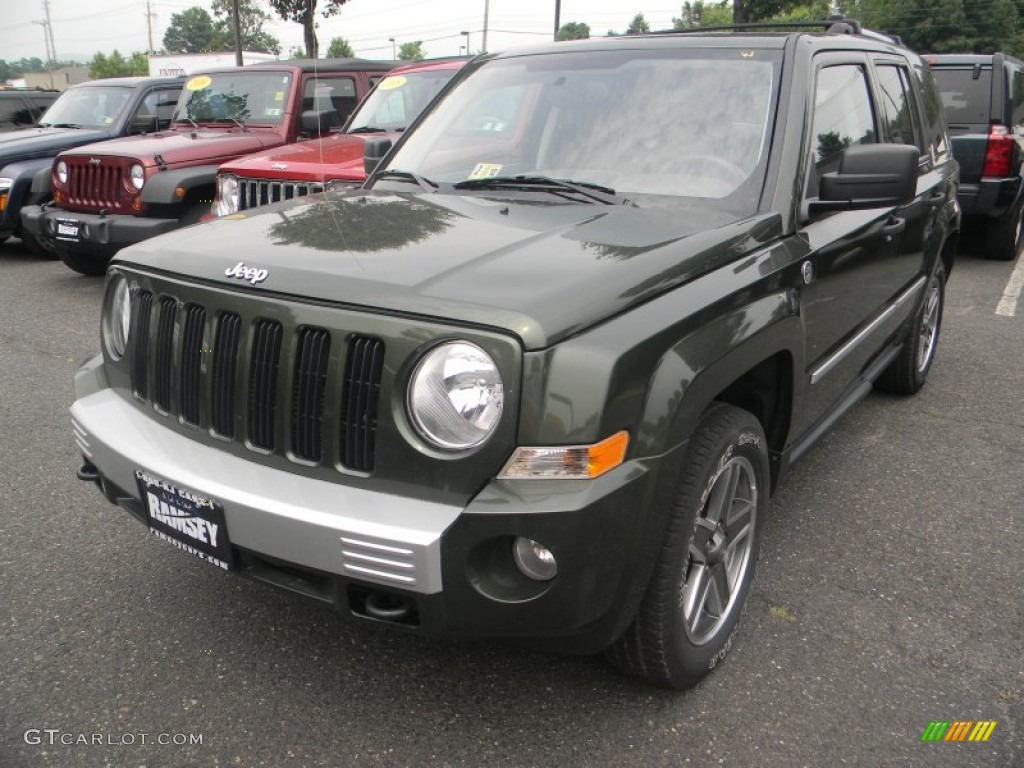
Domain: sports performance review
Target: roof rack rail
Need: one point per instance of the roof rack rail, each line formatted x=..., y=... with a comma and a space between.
x=836, y=25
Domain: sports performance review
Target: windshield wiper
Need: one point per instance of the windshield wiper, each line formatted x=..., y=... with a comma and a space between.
x=589, y=190
x=60, y=125
x=234, y=120
x=425, y=184
x=368, y=129
x=195, y=125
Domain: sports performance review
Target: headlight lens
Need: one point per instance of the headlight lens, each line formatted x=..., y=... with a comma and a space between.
x=138, y=175
x=227, y=195
x=456, y=396
x=62, y=172
x=119, y=317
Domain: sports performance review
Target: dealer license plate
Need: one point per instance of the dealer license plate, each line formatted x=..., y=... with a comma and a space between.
x=186, y=520
x=68, y=229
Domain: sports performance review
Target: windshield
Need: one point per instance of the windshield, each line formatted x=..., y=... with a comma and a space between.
x=397, y=101
x=90, y=107
x=235, y=97
x=690, y=123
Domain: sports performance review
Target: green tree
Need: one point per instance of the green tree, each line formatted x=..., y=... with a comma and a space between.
x=701, y=14
x=412, y=51
x=304, y=12
x=190, y=31
x=942, y=26
x=573, y=30
x=340, y=49
x=251, y=20
x=638, y=25
x=30, y=65
x=297, y=53
x=116, y=65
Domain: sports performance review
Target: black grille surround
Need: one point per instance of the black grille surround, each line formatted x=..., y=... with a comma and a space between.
x=338, y=416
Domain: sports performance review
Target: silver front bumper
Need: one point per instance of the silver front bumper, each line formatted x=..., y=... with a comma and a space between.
x=364, y=535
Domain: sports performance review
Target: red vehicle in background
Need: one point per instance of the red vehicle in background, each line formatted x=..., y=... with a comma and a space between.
x=291, y=171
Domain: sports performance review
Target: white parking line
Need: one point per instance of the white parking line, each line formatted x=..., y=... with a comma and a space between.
x=1007, y=305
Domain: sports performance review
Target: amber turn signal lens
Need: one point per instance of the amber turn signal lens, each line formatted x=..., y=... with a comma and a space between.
x=575, y=462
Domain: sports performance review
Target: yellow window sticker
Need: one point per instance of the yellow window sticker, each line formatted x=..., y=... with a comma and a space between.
x=198, y=83
x=485, y=171
x=279, y=96
x=392, y=82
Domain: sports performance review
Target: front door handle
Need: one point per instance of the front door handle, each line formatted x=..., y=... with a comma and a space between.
x=893, y=227
x=937, y=199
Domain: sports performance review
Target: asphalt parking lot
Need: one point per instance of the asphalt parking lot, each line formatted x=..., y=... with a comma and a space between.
x=890, y=594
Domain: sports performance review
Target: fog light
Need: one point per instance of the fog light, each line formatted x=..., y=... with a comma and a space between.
x=533, y=559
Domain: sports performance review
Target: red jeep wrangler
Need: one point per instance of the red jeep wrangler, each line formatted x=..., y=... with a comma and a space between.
x=286, y=172
x=111, y=195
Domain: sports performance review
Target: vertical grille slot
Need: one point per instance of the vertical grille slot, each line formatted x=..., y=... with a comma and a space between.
x=225, y=363
x=360, y=395
x=141, y=358
x=253, y=193
x=164, y=354
x=266, y=352
x=310, y=380
x=192, y=361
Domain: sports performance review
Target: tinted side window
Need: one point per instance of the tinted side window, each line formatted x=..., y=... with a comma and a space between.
x=15, y=113
x=842, y=117
x=323, y=93
x=896, y=106
x=934, y=122
x=1016, y=94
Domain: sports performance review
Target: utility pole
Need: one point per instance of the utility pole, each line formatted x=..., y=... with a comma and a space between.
x=238, y=34
x=149, y=27
x=487, y=9
x=558, y=15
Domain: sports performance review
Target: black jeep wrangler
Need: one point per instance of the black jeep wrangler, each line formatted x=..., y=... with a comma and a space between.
x=538, y=379
x=983, y=97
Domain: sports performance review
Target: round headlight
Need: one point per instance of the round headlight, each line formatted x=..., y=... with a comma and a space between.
x=456, y=396
x=227, y=195
x=119, y=317
x=62, y=172
x=138, y=176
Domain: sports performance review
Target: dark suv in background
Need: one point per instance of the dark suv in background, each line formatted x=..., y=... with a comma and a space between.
x=983, y=96
x=21, y=107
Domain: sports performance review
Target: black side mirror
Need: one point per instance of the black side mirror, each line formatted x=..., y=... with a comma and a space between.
x=374, y=150
x=870, y=176
x=144, y=124
x=319, y=122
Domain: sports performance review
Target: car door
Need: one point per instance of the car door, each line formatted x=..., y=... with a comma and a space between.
x=848, y=274
x=900, y=115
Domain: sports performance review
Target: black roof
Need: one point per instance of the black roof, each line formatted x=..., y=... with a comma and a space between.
x=324, y=65
x=130, y=82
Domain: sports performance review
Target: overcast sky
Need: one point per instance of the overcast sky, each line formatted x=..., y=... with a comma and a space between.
x=83, y=28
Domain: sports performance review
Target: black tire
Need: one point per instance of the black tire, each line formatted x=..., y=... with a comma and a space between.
x=84, y=263
x=678, y=636
x=1004, y=238
x=908, y=372
x=36, y=248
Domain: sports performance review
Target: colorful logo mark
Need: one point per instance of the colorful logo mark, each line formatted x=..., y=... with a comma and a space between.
x=958, y=730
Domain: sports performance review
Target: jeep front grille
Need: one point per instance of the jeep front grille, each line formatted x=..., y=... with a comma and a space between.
x=95, y=186
x=262, y=382
x=252, y=193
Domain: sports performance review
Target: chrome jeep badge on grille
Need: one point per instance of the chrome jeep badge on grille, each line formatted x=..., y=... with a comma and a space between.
x=252, y=274
x=94, y=161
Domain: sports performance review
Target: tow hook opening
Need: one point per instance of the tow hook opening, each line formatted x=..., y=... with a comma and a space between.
x=383, y=606
x=88, y=473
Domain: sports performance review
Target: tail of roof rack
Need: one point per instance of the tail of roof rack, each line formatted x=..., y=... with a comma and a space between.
x=833, y=26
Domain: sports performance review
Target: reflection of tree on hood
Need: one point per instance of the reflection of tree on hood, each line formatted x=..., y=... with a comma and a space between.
x=360, y=224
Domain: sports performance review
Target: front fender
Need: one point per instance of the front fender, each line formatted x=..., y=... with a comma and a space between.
x=20, y=193
x=42, y=185
x=161, y=189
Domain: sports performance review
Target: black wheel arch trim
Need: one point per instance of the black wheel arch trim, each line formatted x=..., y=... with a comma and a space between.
x=159, y=189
